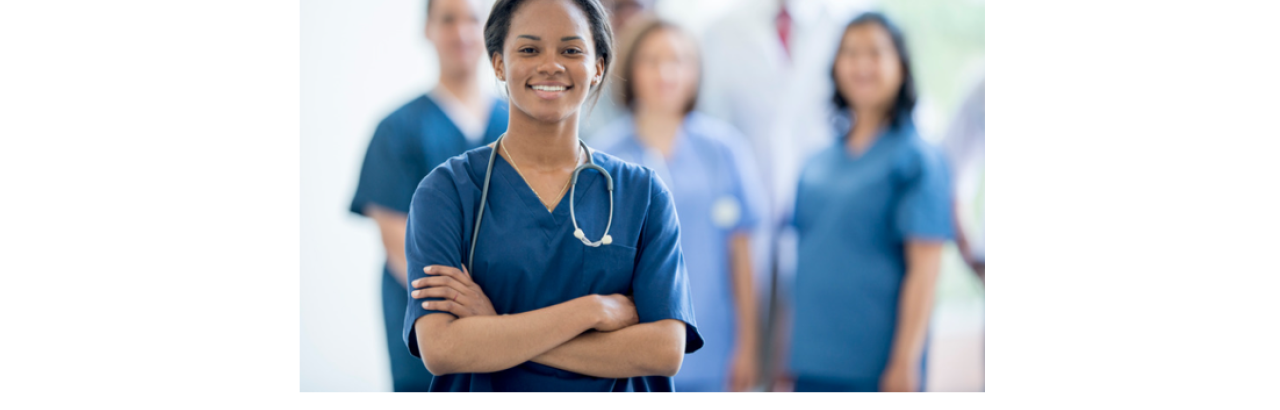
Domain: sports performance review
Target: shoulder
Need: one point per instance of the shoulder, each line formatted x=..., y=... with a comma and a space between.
x=631, y=181
x=912, y=154
x=612, y=136
x=715, y=133
x=411, y=110
x=458, y=173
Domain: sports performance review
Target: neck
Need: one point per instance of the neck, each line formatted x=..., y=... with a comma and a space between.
x=461, y=84
x=658, y=129
x=540, y=144
x=866, y=128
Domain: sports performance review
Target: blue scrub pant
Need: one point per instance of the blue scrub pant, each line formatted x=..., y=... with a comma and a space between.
x=407, y=372
x=828, y=384
x=805, y=384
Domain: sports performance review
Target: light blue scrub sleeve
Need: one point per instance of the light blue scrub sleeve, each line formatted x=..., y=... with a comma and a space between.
x=660, y=284
x=924, y=211
x=433, y=237
x=747, y=182
x=387, y=177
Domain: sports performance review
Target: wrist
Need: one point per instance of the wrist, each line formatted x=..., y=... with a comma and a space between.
x=592, y=308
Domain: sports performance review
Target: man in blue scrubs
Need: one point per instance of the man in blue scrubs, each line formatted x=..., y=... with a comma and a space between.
x=710, y=173
x=452, y=118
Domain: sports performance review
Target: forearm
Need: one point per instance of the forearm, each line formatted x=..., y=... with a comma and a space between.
x=391, y=225
x=646, y=349
x=484, y=344
x=744, y=294
x=914, y=307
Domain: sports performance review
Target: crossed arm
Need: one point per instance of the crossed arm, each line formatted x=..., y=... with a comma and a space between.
x=595, y=335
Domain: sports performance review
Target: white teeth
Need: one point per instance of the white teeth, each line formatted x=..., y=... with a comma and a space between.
x=549, y=88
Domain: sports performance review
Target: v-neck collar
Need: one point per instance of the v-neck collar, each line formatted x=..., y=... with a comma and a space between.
x=551, y=220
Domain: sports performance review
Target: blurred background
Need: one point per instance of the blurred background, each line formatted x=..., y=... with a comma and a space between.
x=363, y=60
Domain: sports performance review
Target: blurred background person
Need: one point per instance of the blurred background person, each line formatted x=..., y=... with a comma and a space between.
x=709, y=169
x=965, y=144
x=453, y=117
x=767, y=65
x=605, y=110
x=872, y=215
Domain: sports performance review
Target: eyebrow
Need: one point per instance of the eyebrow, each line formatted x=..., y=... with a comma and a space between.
x=536, y=38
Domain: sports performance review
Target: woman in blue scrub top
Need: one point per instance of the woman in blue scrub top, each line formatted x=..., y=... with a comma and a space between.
x=872, y=214
x=710, y=175
x=536, y=308
x=452, y=118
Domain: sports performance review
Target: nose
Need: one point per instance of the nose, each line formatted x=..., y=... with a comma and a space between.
x=549, y=64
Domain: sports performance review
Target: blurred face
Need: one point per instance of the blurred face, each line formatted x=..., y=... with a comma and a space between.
x=867, y=69
x=454, y=27
x=548, y=60
x=623, y=11
x=664, y=72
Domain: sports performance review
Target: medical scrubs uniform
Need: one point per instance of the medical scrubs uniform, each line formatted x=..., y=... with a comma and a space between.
x=708, y=170
x=405, y=147
x=854, y=214
x=527, y=258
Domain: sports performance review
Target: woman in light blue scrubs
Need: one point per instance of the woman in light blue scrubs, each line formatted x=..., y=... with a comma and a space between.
x=872, y=214
x=576, y=281
x=452, y=118
x=711, y=178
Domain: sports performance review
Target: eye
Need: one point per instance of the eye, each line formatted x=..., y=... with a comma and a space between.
x=526, y=50
x=573, y=51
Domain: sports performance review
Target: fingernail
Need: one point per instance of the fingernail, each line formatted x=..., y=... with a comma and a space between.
x=417, y=293
x=426, y=305
x=427, y=269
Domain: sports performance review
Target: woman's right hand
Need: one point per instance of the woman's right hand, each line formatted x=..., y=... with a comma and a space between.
x=616, y=312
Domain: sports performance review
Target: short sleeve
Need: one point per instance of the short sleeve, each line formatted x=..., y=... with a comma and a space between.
x=747, y=184
x=389, y=173
x=660, y=284
x=924, y=210
x=433, y=237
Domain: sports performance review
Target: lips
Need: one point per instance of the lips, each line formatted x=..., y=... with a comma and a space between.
x=549, y=91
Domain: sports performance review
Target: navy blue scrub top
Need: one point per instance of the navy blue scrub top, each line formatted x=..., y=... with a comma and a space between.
x=407, y=145
x=853, y=217
x=527, y=258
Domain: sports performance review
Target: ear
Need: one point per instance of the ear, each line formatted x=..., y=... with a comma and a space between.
x=599, y=77
x=499, y=67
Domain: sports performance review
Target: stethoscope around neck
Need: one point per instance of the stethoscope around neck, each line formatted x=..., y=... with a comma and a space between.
x=577, y=231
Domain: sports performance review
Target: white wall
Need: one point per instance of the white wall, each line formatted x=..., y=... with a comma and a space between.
x=360, y=61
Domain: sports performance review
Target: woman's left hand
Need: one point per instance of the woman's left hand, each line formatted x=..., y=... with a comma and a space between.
x=900, y=378
x=462, y=296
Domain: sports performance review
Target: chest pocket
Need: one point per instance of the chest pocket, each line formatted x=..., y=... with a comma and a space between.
x=608, y=269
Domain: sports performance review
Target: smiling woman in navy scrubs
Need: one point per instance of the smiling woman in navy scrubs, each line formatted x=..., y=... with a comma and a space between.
x=540, y=310
x=452, y=118
x=872, y=214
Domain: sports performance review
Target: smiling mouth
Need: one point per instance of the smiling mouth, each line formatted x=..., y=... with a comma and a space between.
x=549, y=92
x=552, y=88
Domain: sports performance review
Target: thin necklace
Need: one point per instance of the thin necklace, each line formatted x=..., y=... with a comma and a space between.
x=577, y=157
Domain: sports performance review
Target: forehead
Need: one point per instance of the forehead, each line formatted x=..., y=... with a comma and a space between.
x=550, y=20
x=473, y=6
x=662, y=39
x=868, y=34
